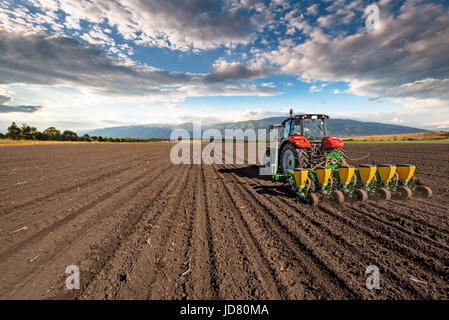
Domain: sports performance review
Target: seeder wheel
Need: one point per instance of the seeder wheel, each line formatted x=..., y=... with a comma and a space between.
x=338, y=196
x=361, y=195
x=384, y=193
x=404, y=193
x=424, y=191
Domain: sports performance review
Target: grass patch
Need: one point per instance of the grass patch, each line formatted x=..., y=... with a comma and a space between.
x=421, y=137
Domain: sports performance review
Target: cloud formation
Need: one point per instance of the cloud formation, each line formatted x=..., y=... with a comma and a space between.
x=180, y=25
x=61, y=61
x=100, y=48
x=406, y=57
x=23, y=109
x=222, y=70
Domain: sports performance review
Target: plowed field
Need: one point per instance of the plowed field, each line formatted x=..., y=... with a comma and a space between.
x=139, y=227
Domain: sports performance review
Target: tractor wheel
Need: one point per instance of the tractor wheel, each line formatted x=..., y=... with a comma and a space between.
x=404, y=193
x=293, y=157
x=384, y=193
x=314, y=199
x=424, y=191
x=361, y=195
x=338, y=196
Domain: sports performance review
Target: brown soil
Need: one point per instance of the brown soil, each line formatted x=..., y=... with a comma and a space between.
x=139, y=227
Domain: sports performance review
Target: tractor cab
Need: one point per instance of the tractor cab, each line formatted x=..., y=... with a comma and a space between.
x=309, y=131
x=312, y=127
x=303, y=141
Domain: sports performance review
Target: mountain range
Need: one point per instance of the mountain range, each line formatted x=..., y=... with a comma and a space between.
x=342, y=128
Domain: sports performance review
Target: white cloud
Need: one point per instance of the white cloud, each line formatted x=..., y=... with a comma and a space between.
x=313, y=9
x=406, y=57
x=228, y=116
x=4, y=96
x=182, y=25
x=60, y=61
x=418, y=118
x=172, y=105
x=223, y=70
x=314, y=89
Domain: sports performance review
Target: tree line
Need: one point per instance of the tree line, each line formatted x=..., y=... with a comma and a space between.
x=26, y=132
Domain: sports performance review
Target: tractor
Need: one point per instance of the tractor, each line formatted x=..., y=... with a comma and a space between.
x=304, y=143
x=314, y=164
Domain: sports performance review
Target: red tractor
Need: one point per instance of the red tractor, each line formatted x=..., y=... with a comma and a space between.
x=314, y=164
x=303, y=142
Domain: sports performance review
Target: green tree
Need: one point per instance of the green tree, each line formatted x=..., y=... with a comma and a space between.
x=86, y=137
x=52, y=133
x=28, y=133
x=13, y=132
x=68, y=135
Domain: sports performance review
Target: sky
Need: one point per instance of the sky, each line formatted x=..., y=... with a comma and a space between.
x=81, y=64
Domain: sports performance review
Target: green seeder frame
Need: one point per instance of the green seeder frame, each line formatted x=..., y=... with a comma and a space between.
x=382, y=181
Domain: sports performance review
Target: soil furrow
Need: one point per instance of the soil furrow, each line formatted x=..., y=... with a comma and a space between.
x=426, y=262
x=399, y=234
x=63, y=240
x=316, y=226
x=317, y=265
x=57, y=193
x=140, y=227
x=264, y=271
x=67, y=218
x=118, y=254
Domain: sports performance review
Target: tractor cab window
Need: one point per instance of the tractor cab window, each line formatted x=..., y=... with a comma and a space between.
x=286, y=132
x=314, y=129
x=297, y=130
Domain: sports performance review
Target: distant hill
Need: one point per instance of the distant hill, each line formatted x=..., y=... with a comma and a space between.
x=337, y=127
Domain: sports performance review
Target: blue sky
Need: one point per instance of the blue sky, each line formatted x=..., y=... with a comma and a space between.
x=89, y=64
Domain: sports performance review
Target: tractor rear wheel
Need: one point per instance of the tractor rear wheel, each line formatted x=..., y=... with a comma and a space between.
x=293, y=157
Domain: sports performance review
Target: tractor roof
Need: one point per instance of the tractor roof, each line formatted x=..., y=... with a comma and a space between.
x=307, y=116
